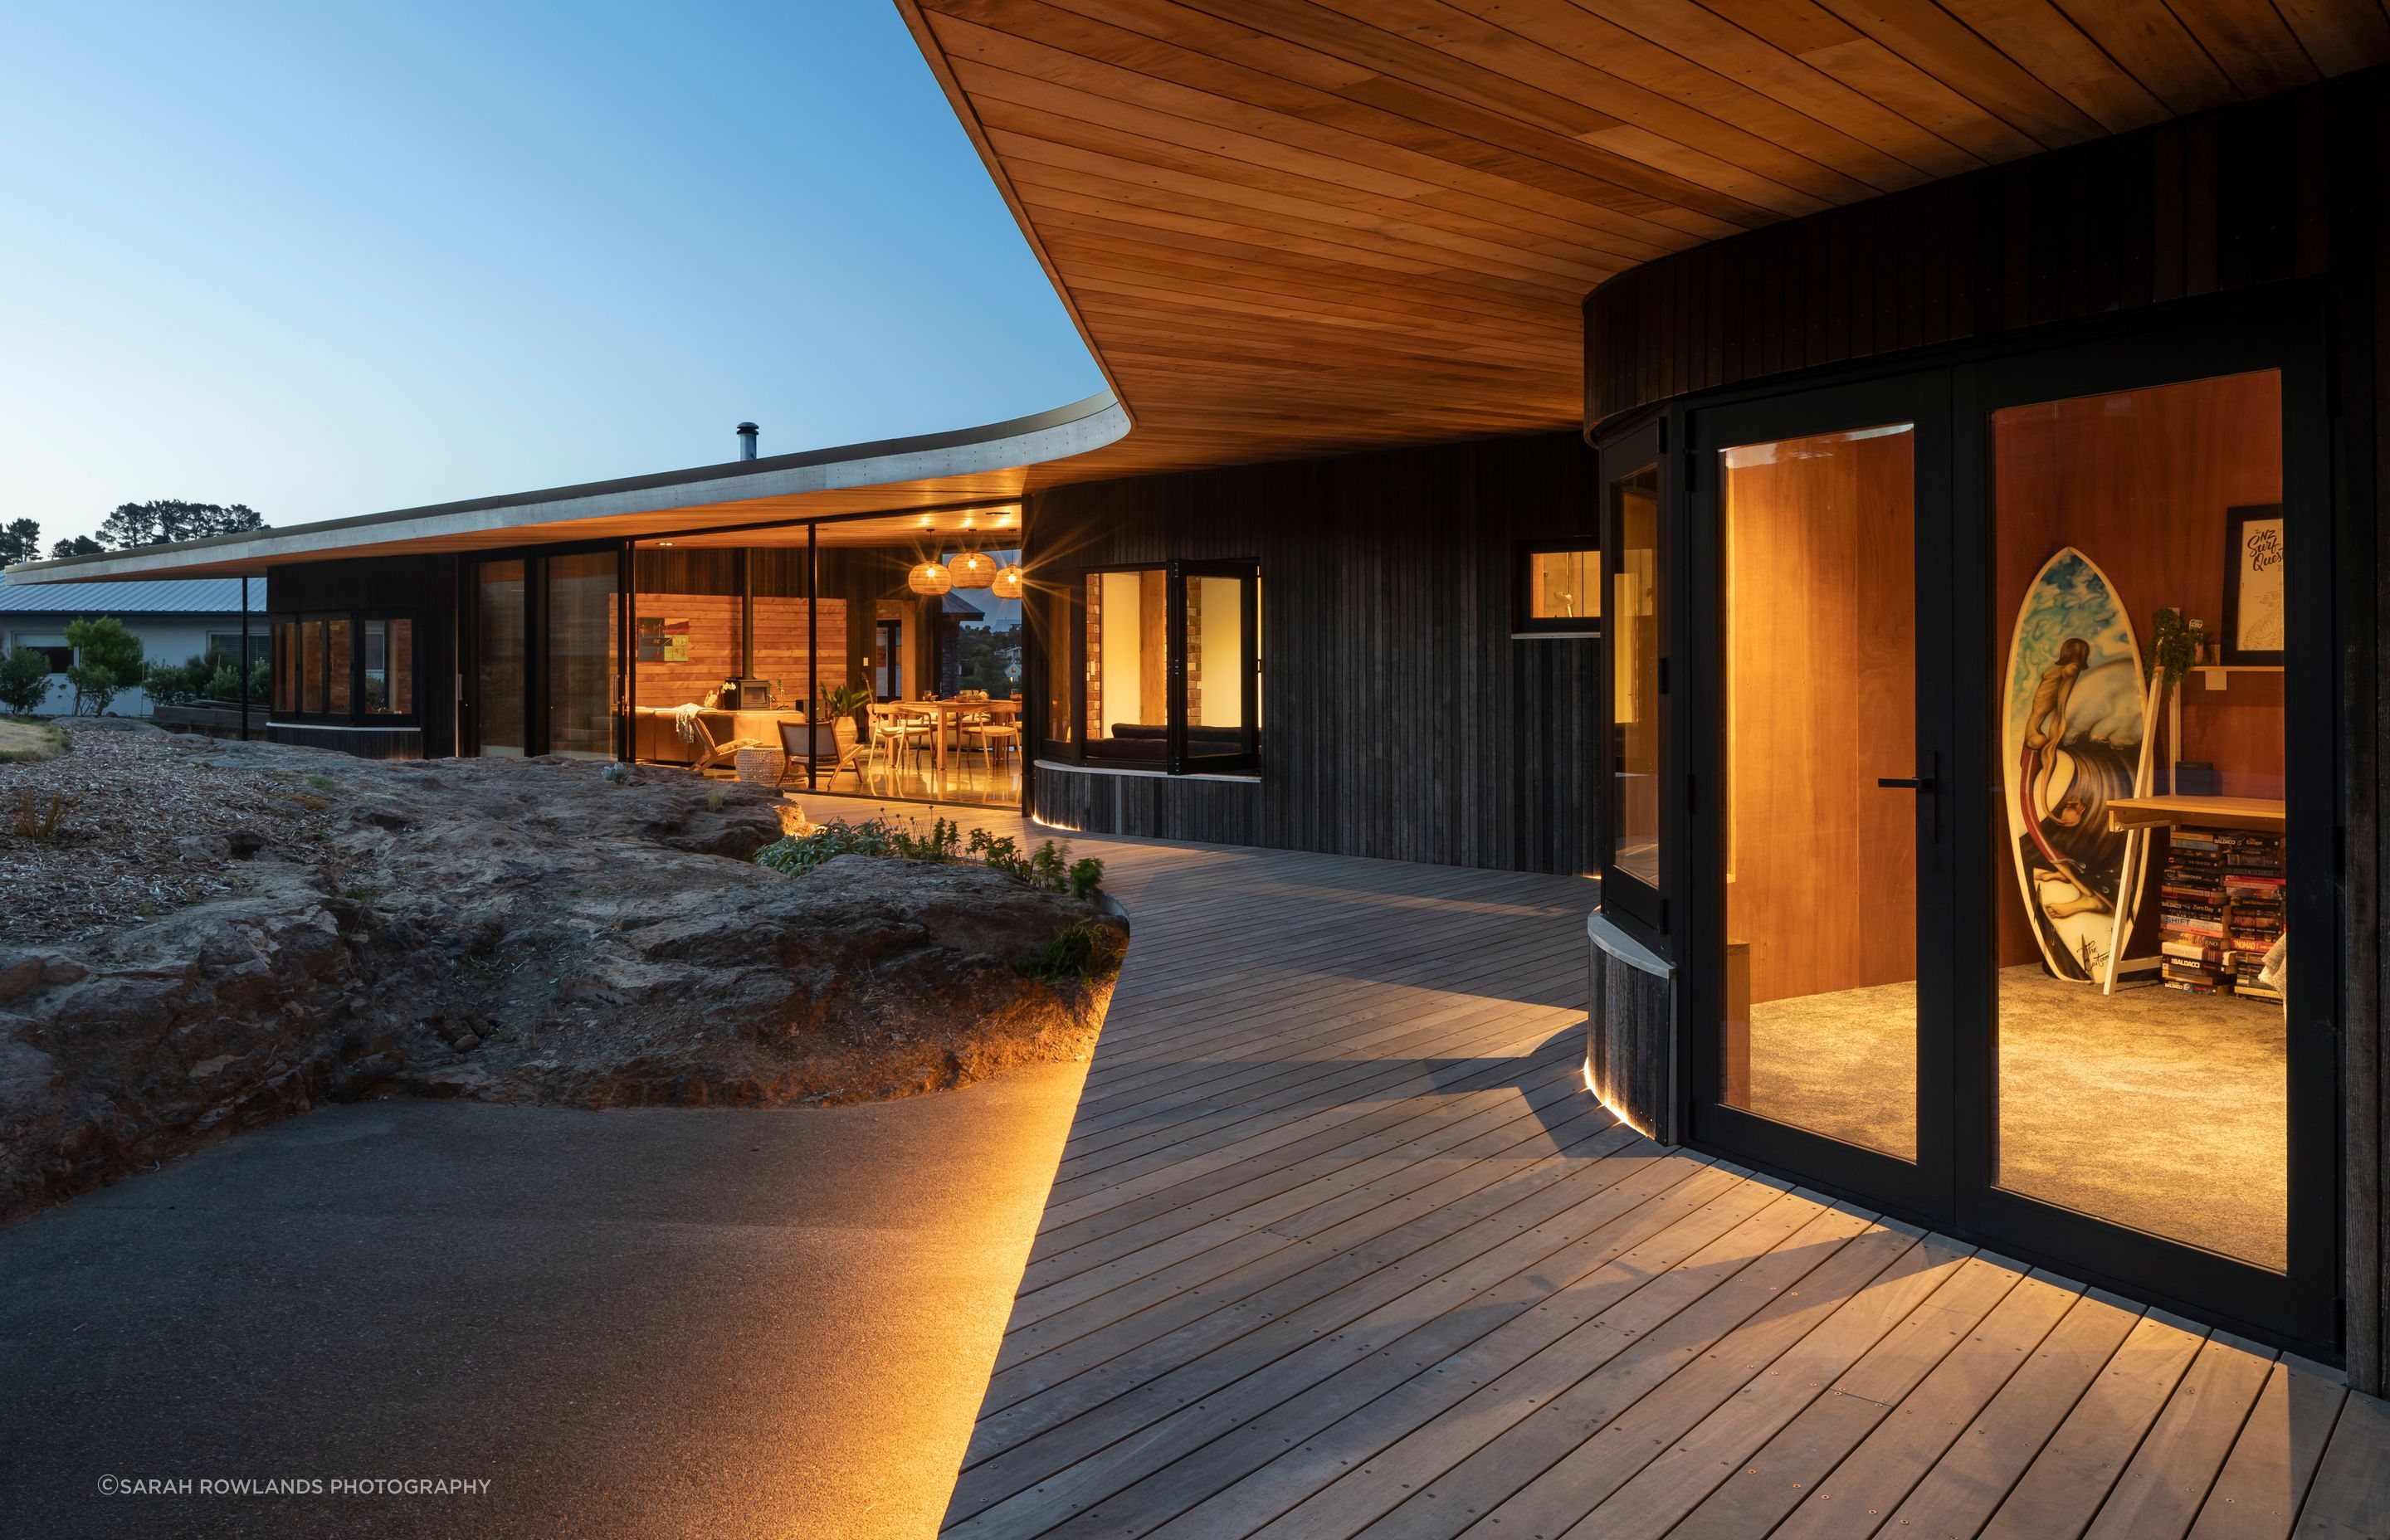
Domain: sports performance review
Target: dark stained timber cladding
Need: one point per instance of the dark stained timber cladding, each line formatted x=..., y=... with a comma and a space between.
x=2230, y=199
x=424, y=586
x=1629, y=1044
x=1399, y=717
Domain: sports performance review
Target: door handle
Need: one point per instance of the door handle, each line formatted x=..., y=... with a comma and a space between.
x=1921, y=781
x=1923, y=784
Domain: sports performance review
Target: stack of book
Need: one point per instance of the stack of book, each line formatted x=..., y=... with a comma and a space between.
x=2252, y=898
x=2193, y=915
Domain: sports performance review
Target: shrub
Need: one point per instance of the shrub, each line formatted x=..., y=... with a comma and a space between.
x=24, y=680
x=260, y=680
x=1048, y=868
x=224, y=680
x=176, y=684
x=1085, y=950
x=799, y=853
x=108, y=661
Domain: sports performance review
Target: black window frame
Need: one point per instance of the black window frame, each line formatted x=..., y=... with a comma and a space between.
x=355, y=715
x=1524, y=620
x=1639, y=907
x=1177, y=758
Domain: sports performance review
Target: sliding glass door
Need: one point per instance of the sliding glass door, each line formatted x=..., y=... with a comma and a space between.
x=582, y=653
x=546, y=646
x=501, y=647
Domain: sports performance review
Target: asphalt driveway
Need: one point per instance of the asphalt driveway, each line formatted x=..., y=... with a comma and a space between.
x=634, y=1323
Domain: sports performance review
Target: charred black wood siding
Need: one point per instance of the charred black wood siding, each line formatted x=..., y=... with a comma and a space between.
x=1630, y=1043
x=426, y=584
x=1400, y=719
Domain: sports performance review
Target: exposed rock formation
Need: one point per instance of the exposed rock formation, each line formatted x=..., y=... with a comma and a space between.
x=509, y=930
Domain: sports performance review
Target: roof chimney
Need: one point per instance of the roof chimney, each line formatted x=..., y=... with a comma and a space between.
x=747, y=431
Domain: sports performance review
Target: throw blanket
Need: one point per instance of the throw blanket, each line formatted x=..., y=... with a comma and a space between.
x=685, y=720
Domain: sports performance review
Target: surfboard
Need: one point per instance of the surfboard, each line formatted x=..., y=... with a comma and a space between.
x=2073, y=719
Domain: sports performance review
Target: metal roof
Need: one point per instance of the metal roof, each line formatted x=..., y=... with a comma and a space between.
x=180, y=596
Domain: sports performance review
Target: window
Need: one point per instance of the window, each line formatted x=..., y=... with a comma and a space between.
x=1128, y=657
x=1169, y=669
x=390, y=667
x=62, y=657
x=1560, y=590
x=1635, y=639
x=335, y=669
x=226, y=644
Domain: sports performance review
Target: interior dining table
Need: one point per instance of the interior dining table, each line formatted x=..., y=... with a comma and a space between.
x=949, y=713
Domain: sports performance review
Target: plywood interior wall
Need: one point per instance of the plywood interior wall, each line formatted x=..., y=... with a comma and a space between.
x=712, y=621
x=1821, y=700
x=780, y=645
x=2140, y=482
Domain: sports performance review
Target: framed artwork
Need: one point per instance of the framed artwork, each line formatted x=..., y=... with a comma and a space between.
x=2253, y=585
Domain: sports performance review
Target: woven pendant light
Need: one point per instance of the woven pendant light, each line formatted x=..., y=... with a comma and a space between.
x=974, y=570
x=1008, y=583
x=930, y=578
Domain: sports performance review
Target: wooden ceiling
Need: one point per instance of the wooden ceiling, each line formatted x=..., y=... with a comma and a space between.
x=1295, y=226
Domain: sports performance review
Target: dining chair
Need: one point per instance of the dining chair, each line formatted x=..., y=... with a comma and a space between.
x=893, y=730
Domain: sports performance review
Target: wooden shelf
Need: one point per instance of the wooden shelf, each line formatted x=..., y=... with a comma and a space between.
x=2249, y=812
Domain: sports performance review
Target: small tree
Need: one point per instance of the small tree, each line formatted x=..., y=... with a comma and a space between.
x=107, y=659
x=24, y=680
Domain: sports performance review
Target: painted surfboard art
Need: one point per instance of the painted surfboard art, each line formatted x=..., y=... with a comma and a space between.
x=2073, y=720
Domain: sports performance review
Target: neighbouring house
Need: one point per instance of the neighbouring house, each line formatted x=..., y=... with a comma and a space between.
x=177, y=619
x=1768, y=461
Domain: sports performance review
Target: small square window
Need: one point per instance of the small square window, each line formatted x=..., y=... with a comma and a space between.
x=1560, y=590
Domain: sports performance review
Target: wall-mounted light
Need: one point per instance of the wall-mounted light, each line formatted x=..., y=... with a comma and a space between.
x=928, y=578
x=1007, y=583
x=974, y=570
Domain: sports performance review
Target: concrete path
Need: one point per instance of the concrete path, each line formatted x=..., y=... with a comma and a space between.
x=632, y=1323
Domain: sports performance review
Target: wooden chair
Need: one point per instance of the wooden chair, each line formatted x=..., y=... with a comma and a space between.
x=712, y=751
x=987, y=732
x=799, y=743
x=894, y=729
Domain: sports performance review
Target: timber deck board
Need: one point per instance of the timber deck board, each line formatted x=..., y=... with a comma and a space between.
x=1340, y=1245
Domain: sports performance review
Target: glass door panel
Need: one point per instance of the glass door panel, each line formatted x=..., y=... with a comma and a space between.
x=1216, y=664
x=1633, y=629
x=500, y=627
x=1820, y=1002
x=2139, y=877
x=583, y=654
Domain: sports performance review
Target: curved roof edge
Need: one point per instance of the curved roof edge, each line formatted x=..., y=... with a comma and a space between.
x=1019, y=443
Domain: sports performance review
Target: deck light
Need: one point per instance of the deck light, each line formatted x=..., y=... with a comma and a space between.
x=930, y=578
x=1008, y=583
x=974, y=570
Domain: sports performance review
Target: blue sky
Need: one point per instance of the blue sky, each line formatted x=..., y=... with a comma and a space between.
x=327, y=260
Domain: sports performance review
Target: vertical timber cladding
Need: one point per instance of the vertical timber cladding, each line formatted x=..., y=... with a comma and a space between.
x=424, y=586
x=1399, y=717
x=2224, y=202
x=1630, y=1034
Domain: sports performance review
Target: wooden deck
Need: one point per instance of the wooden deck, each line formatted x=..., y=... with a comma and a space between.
x=1341, y=1246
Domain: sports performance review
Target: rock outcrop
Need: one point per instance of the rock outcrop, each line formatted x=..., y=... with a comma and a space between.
x=519, y=931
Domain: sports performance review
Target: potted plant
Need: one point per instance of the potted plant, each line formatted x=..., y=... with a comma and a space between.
x=853, y=700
